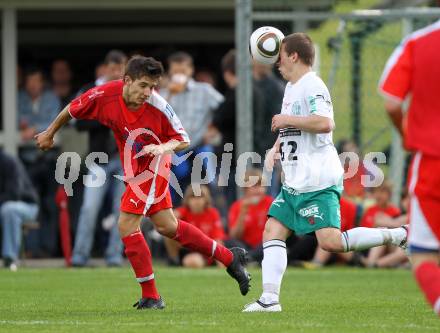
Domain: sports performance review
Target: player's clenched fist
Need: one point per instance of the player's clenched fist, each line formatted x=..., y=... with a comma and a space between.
x=151, y=150
x=280, y=121
x=44, y=140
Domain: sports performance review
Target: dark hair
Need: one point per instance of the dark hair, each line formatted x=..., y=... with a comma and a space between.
x=32, y=70
x=228, y=62
x=180, y=57
x=115, y=57
x=300, y=43
x=140, y=66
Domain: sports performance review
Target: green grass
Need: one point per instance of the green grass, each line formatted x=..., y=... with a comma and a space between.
x=99, y=300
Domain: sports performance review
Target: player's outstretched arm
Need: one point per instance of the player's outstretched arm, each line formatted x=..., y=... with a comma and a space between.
x=313, y=123
x=177, y=145
x=44, y=139
x=164, y=148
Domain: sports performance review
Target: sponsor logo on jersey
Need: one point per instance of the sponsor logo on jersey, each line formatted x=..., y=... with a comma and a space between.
x=291, y=190
x=296, y=108
x=95, y=93
x=290, y=131
x=134, y=202
x=311, y=213
x=278, y=201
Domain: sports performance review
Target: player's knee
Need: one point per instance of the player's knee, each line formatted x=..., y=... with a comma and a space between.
x=124, y=229
x=165, y=223
x=167, y=229
x=331, y=245
x=128, y=224
x=417, y=259
x=274, y=230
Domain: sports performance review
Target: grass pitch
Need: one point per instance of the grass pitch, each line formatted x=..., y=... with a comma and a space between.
x=99, y=300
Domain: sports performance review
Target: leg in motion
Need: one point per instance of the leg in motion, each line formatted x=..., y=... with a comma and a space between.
x=138, y=253
x=192, y=238
x=273, y=266
x=357, y=239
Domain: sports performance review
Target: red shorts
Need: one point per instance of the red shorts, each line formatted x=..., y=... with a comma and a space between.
x=150, y=196
x=424, y=190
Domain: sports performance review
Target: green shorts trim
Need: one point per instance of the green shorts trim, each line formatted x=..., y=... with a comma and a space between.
x=307, y=212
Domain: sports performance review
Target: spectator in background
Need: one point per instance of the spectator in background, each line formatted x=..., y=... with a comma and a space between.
x=353, y=187
x=101, y=140
x=224, y=121
x=18, y=203
x=266, y=81
x=272, y=87
x=36, y=107
x=247, y=217
x=61, y=75
x=100, y=71
x=194, y=103
x=112, y=68
x=207, y=76
x=196, y=209
x=382, y=205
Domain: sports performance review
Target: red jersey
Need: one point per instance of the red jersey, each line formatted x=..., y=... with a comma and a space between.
x=368, y=218
x=153, y=123
x=353, y=186
x=348, y=214
x=254, y=221
x=208, y=221
x=414, y=69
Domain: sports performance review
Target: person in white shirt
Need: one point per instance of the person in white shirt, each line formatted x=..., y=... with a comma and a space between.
x=309, y=197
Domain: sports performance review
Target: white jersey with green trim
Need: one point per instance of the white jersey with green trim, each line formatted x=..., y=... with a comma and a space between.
x=310, y=161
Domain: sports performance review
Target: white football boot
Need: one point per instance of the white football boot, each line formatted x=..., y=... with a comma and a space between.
x=258, y=306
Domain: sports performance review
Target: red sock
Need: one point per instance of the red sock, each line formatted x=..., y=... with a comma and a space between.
x=194, y=239
x=138, y=253
x=428, y=277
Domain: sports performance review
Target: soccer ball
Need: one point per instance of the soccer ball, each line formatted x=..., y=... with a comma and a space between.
x=265, y=45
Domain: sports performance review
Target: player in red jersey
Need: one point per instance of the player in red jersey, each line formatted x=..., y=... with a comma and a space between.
x=147, y=131
x=413, y=69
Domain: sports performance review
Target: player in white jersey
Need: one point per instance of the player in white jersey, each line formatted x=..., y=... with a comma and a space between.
x=309, y=198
